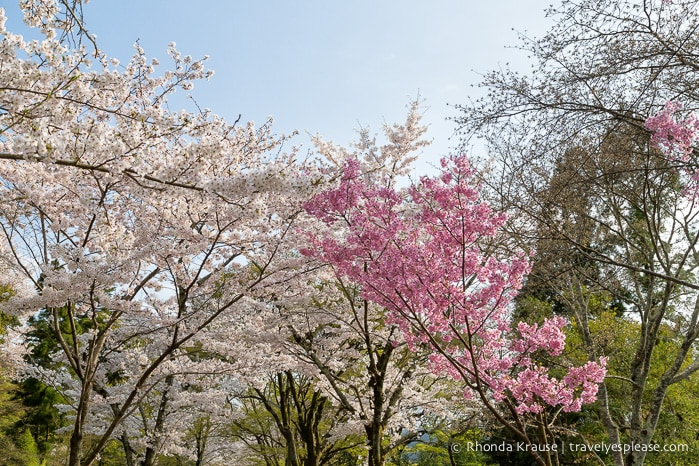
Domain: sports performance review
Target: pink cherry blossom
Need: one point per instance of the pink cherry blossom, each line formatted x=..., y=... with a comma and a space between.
x=426, y=254
x=672, y=135
x=675, y=136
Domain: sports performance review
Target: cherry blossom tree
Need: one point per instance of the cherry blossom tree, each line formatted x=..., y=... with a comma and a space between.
x=381, y=383
x=381, y=386
x=428, y=255
x=142, y=232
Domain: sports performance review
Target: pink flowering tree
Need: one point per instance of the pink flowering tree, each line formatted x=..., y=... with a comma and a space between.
x=428, y=256
x=381, y=385
x=675, y=135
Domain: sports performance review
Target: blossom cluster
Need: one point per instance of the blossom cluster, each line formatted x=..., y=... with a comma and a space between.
x=673, y=136
x=676, y=137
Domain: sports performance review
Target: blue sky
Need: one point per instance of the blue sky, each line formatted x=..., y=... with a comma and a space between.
x=326, y=66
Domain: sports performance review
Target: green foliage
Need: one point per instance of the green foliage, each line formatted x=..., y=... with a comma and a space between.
x=11, y=414
x=17, y=418
x=174, y=461
x=113, y=454
x=11, y=409
x=615, y=336
x=28, y=446
x=291, y=411
x=42, y=339
x=41, y=416
x=6, y=320
x=18, y=447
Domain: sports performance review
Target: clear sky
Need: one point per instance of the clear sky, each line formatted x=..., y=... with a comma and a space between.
x=326, y=66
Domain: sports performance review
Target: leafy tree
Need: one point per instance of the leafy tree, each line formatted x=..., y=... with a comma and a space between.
x=290, y=422
x=605, y=208
x=30, y=449
x=11, y=414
